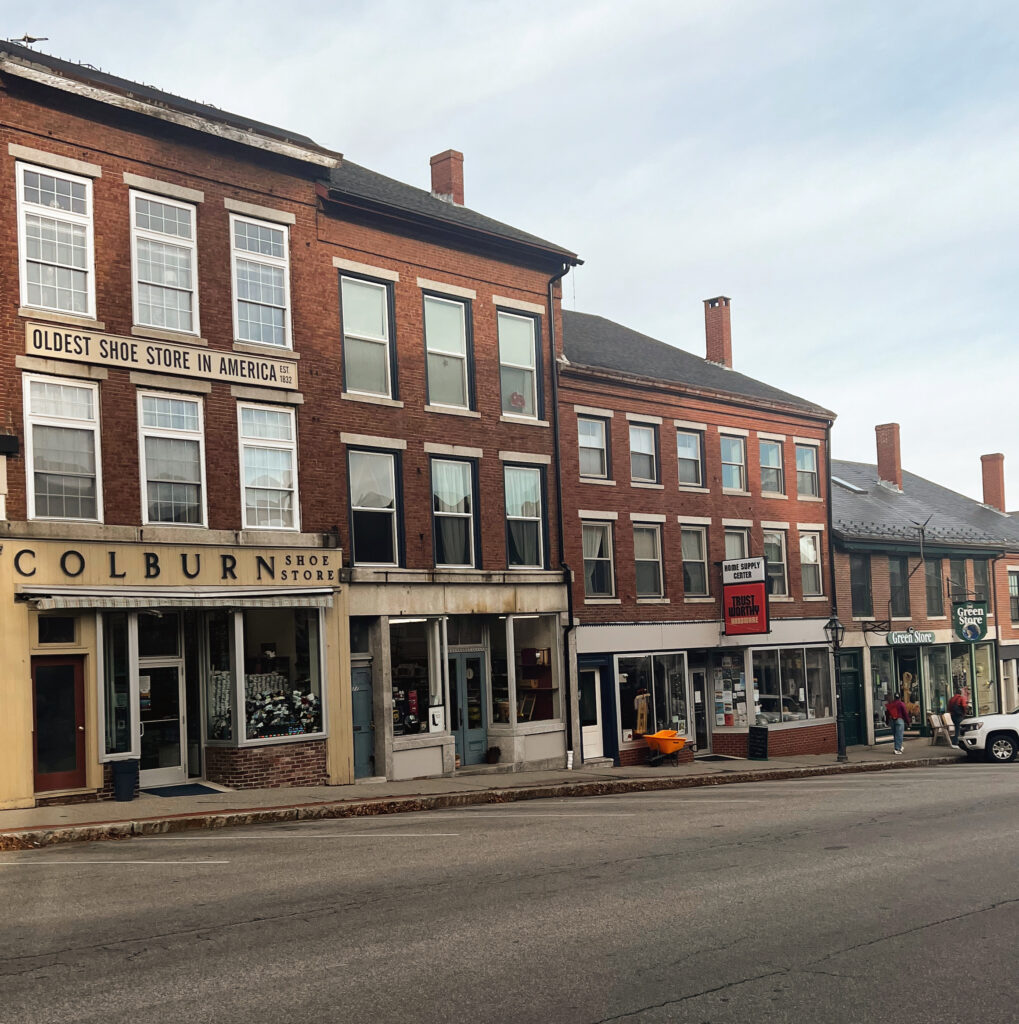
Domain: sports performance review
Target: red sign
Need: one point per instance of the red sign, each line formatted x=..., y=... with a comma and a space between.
x=745, y=606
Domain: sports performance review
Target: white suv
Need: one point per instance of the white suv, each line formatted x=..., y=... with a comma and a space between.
x=996, y=735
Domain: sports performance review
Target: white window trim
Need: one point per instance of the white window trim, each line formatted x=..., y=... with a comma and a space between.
x=743, y=531
x=604, y=446
x=610, y=558
x=692, y=431
x=592, y=411
x=703, y=531
x=816, y=534
x=386, y=344
x=784, y=535
x=744, y=483
x=651, y=428
x=812, y=446
x=83, y=220
x=263, y=442
x=51, y=421
x=271, y=261
x=183, y=435
x=394, y=512
x=181, y=243
x=539, y=519
x=532, y=369
x=656, y=527
x=469, y=516
x=449, y=355
x=763, y=440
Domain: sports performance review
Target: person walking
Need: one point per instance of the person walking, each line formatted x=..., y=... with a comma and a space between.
x=958, y=709
x=897, y=716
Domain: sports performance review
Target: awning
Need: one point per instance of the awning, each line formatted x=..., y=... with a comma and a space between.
x=176, y=597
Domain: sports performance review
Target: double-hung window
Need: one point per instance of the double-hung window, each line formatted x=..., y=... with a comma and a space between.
x=734, y=463
x=643, y=453
x=453, y=512
x=447, y=348
x=172, y=459
x=524, y=540
x=1013, y=595
x=806, y=471
x=690, y=451
x=165, y=263
x=957, y=590
x=774, y=552
x=518, y=364
x=372, y=478
x=599, y=578
x=62, y=449
x=592, y=438
x=981, y=588
x=859, y=586
x=736, y=542
x=932, y=586
x=898, y=583
x=367, y=336
x=810, y=564
x=261, y=274
x=772, y=476
x=647, y=553
x=268, y=436
x=55, y=240
x=693, y=543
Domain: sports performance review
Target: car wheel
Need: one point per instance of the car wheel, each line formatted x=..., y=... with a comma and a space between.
x=1002, y=748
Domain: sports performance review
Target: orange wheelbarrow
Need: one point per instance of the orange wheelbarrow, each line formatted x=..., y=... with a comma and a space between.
x=664, y=743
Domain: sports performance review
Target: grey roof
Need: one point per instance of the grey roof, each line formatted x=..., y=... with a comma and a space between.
x=594, y=341
x=148, y=93
x=354, y=180
x=869, y=511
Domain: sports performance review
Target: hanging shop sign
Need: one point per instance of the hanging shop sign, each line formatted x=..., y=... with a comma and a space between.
x=744, y=596
x=99, y=349
x=970, y=620
x=908, y=637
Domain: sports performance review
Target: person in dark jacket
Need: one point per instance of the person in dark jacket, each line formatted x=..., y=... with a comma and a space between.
x=897, y=716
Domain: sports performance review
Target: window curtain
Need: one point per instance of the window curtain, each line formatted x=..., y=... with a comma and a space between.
x=451, y=492
x=371, y=481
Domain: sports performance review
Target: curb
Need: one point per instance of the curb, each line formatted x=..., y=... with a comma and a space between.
x=34, y=838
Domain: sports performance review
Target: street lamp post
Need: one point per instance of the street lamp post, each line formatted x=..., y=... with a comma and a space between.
x=834, y=632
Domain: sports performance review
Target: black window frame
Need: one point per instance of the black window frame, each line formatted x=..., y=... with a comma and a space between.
x=1013, y=595
x=861, y=586
x=539, y=362
x=933, y=574
x=401, y=540
x=898, y=594
x=472, y=401
x=475, y=516
x=394, y=373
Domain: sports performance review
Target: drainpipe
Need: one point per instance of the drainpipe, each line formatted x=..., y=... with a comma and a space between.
x=561, y=545
x=840, y=708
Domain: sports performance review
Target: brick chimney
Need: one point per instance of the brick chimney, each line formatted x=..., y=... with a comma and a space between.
x=448, y=177
x=993, y=468
x=889, y=462
x=718, y=330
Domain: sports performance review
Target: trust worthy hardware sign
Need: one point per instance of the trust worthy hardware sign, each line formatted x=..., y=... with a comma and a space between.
x=970, y=620
x=81, y=346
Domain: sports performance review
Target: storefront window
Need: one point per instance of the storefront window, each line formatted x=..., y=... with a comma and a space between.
x=939, y=680
x=282, y=675
x=360, y=634
x=729, y=690
x=652, y=695
x=117, y=684
x=219, y=697
x=881, y=684
x=907, y=665
x=819, y=693
x=635, y=697
x=961, y=680
x=670, y=692
x=986, y=678
x=537, y=679
x=158, y=635
x=417, y=678
x=793, y=684
x=766, y=685
x=500, y=674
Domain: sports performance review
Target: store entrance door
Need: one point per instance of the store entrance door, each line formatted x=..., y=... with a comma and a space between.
x=852, y=698
x=590, y=713
x=467, y=705
x=161, y=693
x=364, y=726
x=58, y=686
x=702, y=721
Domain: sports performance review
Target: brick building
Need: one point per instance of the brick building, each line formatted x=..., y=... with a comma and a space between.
x=210, y=326
x=915, y=563
x=670, y=464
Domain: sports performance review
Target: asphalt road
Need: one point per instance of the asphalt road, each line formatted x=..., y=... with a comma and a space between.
x=891, y=897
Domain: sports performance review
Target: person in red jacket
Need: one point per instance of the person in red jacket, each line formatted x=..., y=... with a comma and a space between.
x=897, y=716
x=958, y=709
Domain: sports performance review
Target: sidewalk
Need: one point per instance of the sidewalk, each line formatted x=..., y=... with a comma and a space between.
x=152, y=815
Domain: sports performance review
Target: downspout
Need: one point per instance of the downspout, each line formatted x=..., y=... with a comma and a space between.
x=840, y=711
x=561, y=543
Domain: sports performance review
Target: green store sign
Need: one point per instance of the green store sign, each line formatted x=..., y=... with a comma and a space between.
x=970, y=620
x=907, y=637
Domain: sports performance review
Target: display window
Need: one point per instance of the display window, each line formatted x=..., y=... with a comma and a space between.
x=534, y=644
x=414, y=646
x=792, y=684
x=652, y=695
x=985, y=679
x=881, y=686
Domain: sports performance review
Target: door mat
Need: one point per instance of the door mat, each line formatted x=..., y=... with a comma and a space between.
x=191, y=789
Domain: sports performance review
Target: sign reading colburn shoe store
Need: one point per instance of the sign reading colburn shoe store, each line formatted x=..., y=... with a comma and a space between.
x=970, y=620
x=82, y=346
x=908, y=637
x=94, y=564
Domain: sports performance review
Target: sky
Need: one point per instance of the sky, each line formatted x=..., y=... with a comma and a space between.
x=847, y=172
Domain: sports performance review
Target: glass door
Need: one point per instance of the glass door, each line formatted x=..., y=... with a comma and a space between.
x=702, y=723
x=467, y=705
x=161, y=695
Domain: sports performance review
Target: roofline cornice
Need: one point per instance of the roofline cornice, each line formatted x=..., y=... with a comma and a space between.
x=12, y=65
x=902, y=545
x=656, y=384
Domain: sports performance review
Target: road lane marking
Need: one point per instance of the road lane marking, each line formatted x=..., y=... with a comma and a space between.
x=323, y=835
x=75, y=862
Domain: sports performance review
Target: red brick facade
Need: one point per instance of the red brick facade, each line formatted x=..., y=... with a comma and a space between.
x=272, y=767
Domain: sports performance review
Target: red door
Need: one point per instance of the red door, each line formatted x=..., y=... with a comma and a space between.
x=58, y=688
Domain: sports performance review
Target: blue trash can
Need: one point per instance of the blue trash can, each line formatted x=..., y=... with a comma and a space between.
x=125, y=780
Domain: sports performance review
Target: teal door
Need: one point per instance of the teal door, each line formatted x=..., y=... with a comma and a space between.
x=467, y=705
x=852, y=699
x=364, y=726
